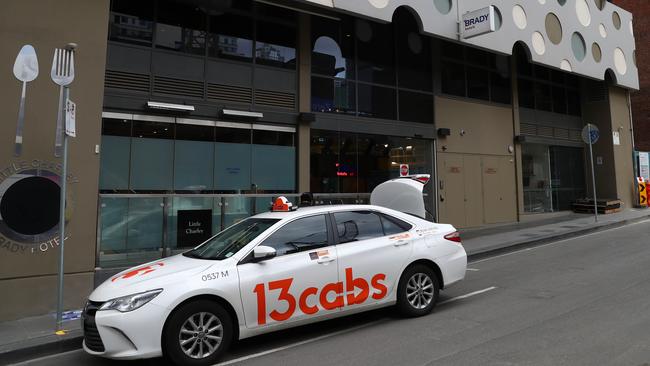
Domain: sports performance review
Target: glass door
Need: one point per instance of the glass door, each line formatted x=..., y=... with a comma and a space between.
x=536, y=171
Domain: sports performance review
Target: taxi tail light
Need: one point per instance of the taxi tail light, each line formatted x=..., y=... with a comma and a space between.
x=455, y=237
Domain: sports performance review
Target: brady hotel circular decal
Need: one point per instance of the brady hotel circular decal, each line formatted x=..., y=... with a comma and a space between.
x=29, y=206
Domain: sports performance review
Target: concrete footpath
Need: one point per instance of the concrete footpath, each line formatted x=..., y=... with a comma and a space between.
x=33, y=337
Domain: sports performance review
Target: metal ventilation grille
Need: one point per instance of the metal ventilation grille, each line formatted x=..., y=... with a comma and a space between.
x=275, y=99
x=545, y=131
x=575, y=135
x=528, y=129
x=126, y=81
x=186, y=88
x=230, y=93
x=561, y=133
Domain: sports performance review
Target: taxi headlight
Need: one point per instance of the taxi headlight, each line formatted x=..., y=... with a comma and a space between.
x=131, y=302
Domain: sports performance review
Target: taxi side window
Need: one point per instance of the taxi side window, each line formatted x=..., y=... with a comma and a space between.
x=393, y=225
x=358, y=225
x=302, y=234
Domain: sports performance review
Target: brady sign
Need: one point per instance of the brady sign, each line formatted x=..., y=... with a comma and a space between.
x=479, y=22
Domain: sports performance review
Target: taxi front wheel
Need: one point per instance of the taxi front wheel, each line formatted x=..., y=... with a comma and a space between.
x=197, y=334
x=417, y=291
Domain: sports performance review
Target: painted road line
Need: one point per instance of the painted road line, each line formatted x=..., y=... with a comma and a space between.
x=289, y=346
x=473, y=269
x=467, y=295
x=557, y=242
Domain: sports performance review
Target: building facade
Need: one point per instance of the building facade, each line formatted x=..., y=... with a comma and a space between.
x=194, y=114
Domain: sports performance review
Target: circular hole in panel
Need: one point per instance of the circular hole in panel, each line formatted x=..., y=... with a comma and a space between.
x=596, y=52
x=616, y=19
x=415, y=43
x=553, y=28
x=578, y=46
x=29, y=206
x=539, y=45
x=519, y=17
x=561, y=2
x=602, y=30
x=600, y=4
x=582, y=11
x=566, y=65
x=620, y=62
x=379, y=3
x=443, y=6
x=498, y=19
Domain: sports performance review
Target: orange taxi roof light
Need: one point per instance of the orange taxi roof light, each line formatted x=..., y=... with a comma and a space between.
x=282, y=204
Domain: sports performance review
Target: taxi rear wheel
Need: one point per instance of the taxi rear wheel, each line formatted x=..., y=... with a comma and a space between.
x=197, y=333
x=417, y=291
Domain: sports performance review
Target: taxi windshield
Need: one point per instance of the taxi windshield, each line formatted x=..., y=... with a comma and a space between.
x=231, y=240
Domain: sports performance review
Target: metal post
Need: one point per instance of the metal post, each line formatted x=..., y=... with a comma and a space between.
x=64, y=175
x=593, y=174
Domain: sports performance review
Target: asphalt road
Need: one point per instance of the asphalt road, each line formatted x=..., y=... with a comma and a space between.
x=583, y=301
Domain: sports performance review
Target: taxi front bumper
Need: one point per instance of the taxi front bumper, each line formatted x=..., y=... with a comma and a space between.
x=131, y=335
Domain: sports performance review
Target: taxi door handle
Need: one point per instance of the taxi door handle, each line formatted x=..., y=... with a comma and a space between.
x=325, y=260
x=399, y=243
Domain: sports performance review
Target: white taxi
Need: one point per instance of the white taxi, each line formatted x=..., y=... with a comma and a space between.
x=276, y=270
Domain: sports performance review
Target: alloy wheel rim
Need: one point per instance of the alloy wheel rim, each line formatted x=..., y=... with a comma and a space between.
x=201, y=335
x=419, y=291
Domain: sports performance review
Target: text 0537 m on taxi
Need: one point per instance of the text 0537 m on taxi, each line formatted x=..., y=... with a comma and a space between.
x=275, y=270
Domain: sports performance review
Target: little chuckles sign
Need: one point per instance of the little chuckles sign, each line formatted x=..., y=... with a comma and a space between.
x=194, y=227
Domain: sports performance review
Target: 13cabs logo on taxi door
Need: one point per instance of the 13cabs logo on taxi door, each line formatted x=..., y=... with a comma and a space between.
x=351, y=284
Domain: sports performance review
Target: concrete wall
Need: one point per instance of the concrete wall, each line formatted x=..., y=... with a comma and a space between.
x=28, y=270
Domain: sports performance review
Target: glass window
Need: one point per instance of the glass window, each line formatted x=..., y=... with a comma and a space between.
x=559, y=100
x=333, y=48
x=116, y=127
x=324, y=161
x=274, y=168
x=114, y=163
x=415, y=107
x=393, y=225
x=233, y=135
x=181, y=26
x=333, y=96
x=543, y=99
x=264, y=137
x=299, y=235
x=232, y=167
x=377, y=102
x=231, y=36
x=500, y=89
x=526, y=94
x=453, y=78
x=478, y=83
x=193, y=158
x=452, y=51
x=275, y=45
x=233, y=239
x=375, y=49
x=152, y=156
x=414, y=54
x=132, y=21
x=573, y=103
x=357, y=226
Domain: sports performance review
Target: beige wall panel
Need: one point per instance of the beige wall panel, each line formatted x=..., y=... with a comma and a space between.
x=499, y=190
x=488, y=128
x=37, y=295
x=47, y=24
x=452, y=192
x=473, y=191
x=620, y=115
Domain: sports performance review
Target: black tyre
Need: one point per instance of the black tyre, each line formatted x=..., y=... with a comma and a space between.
x=417, y=291
x=197, y=334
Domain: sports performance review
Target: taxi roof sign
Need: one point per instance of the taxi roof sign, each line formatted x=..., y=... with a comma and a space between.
x=282, y=204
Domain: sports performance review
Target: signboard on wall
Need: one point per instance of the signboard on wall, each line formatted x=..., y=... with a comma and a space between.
x=403, y=170
x=194, y=227
x=478, y=22
x=644, y=165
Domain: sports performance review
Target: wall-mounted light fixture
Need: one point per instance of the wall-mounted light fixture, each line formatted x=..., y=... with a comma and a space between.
x=170, y=106
x=241, y=114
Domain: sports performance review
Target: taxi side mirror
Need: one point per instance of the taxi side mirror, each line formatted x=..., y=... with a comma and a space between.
x=263, y=252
